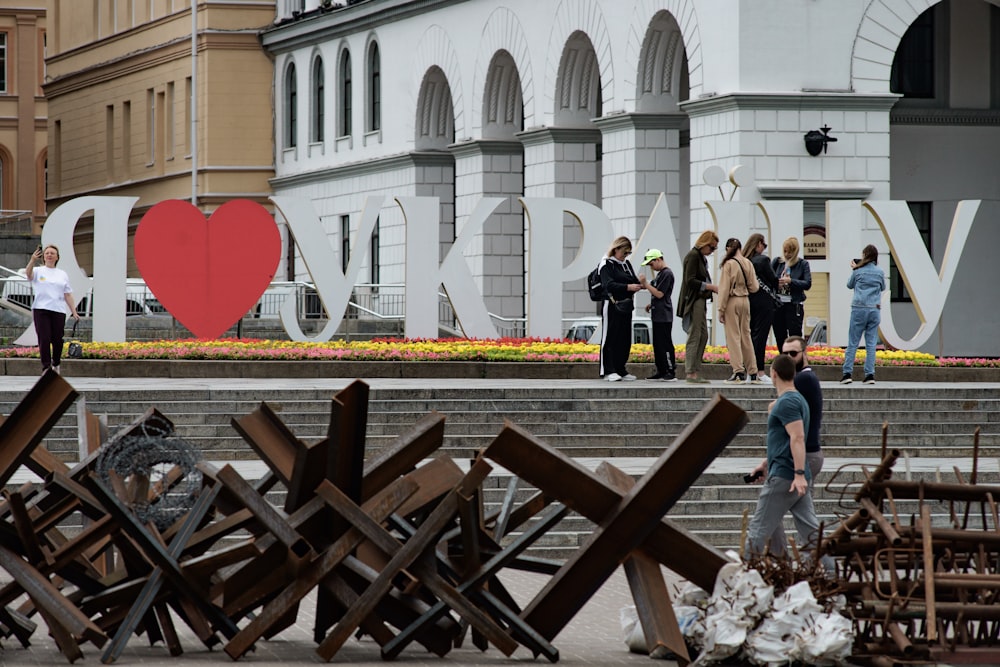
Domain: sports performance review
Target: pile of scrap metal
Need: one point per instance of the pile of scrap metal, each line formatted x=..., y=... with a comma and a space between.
x=919, y=589
x=395, y=547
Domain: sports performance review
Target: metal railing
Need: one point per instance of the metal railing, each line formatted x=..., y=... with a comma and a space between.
x=377, y=304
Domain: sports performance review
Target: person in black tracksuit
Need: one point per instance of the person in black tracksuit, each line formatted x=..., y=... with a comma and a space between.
x=621, y=283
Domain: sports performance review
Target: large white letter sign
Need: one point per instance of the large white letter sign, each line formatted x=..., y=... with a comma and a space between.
x=110, y=251
x=661, y=233
x=544, y=243
x=927, y=287
x=334, y=288
x=423, y=275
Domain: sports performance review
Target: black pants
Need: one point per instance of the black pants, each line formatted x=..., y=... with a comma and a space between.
x=616, y=340
x=761, y=319
x=49, y=327
x=663, y=349
x=787, y=322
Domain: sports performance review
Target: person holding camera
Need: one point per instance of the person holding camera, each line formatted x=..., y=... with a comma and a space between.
x=868, y=282
x=53, y=297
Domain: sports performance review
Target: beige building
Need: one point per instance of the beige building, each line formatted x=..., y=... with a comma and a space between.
x=22, y=112
x=130, y=116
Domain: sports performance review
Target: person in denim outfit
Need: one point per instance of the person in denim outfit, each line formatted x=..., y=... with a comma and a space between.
x=868, y=282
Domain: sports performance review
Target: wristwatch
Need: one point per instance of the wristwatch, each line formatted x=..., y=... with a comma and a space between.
x=800, y=472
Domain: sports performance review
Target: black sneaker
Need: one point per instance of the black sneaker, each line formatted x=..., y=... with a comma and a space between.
x=847, y=379
x=869, y=379
x=670, y=377
x=736, y=378
x=655, y=377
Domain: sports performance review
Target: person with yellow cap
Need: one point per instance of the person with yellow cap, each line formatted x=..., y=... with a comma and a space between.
x=661, y=312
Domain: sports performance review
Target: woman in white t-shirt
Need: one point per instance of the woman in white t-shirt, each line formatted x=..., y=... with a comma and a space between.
x=53, y=294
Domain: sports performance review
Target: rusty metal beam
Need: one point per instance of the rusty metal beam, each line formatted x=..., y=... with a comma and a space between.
x=556, y=474
x=626, y=526
x=29, y=422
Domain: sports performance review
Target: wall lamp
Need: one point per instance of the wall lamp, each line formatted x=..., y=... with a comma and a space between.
x=816, y=140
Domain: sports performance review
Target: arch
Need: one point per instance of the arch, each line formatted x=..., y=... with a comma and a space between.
x=317, y=101
x=575, y=19
x=289, y=107
x=503, y=32
x=435, y=121
x=503, y=109
x=435, y=50
x=879, y=33
x=685, y=17
x=578, y=86
x=373, y=86
x=345, y=92
x=661, y=79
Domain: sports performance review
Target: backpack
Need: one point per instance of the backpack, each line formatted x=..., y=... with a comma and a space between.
x=595, y=286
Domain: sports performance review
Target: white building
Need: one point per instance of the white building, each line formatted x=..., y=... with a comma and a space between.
x=616, y=101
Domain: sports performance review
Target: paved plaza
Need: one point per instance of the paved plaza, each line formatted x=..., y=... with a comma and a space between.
x=594, y=637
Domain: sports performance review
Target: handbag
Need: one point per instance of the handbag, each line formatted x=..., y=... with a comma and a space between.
x=75, y=350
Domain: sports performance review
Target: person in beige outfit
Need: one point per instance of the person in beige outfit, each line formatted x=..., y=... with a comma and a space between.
x=737, y=283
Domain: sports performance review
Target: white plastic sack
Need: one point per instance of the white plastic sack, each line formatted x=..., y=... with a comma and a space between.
x=632, y=630
x=827, y=641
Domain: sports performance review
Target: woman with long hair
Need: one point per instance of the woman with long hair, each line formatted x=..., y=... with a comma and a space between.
x=737, y=282
x=794, y=278
x=53, y=297
x=868, y=282
x=762, y=306
x=620, y=283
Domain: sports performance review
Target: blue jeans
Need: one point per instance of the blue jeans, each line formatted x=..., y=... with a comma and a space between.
x=863, y=321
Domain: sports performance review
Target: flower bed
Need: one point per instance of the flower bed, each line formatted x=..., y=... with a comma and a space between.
x=450, y=349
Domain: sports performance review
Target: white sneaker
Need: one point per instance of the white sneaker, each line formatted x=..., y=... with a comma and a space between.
x=613, y=377
x=56, y=369
x=765, y=379
x=628, y=377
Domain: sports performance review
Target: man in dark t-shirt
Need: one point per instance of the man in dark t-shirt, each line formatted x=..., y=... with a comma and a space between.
x=807, y=384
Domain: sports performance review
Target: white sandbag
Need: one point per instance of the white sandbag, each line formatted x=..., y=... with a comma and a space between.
x=632, y=630
x=827, y=641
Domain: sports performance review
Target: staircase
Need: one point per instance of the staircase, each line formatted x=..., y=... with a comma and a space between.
x=628, y=424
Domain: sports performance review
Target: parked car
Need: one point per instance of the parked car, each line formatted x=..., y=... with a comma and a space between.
x=589, y=329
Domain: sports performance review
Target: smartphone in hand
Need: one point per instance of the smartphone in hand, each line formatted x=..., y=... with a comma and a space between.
x=753, y=477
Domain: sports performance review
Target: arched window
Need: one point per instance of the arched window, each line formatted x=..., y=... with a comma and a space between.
x=346, y=107
x=291, y=107
x=374, y=89
x=318, y=103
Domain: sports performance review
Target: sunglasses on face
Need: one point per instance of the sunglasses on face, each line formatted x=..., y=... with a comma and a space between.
x=793, y=353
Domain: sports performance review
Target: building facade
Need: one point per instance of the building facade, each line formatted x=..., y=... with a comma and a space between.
x=151, y=99
x=23, y=114
x=615, y=102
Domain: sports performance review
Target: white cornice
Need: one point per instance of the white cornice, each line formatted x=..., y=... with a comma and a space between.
x=319, y=25
x=805, y=100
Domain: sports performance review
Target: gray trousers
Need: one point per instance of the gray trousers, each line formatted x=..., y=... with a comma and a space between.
x=775, y=500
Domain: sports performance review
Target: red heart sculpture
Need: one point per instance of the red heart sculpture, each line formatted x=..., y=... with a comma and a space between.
x=207, y=273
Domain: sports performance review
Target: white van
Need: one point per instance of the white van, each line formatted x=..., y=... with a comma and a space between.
x=589, y=329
